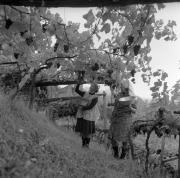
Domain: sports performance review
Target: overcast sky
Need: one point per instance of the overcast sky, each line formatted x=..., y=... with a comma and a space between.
x=165, y=55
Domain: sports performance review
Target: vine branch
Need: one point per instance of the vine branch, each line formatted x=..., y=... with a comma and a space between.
x=9, y=63
x=60, y=57
x=27, y=13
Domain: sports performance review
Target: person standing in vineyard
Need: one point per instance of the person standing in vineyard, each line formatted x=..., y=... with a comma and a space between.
x=88, y=114
x=121, y=120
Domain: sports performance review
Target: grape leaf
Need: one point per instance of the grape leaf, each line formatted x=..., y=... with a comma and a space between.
x=105, y=16
x=157, y=73
x=90, y=19
x=164, y=76
x=155, y=95
x=158, y=35
x=106, y=27
x=154, y=89
x=18, y=27
x=144, y=69
x=158, y=83
x=51, y=29
x=165, y=86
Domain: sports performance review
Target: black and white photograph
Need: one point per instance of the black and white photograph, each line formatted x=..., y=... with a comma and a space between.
x=89, y=89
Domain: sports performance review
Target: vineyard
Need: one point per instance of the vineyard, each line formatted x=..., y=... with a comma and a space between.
x=39, y=52
x=164, y=125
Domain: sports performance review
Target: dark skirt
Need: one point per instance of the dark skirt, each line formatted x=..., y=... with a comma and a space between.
x=85, y=127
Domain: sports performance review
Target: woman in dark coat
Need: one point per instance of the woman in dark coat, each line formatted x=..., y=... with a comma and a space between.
x=88, y=114
x=121, y=121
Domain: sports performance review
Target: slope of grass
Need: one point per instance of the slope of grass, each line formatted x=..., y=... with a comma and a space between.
x=31, y=146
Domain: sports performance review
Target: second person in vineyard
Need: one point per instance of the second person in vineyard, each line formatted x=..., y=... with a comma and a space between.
x=121, y=120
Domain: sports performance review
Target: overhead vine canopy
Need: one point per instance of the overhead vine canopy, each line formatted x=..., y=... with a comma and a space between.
x=79, y=3
x=26, y=42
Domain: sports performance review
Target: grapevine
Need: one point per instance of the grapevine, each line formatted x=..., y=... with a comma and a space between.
x=147, y=127
x=29, y=42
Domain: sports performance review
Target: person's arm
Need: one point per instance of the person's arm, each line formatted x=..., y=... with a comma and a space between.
x=91, y=105
x=81, y=93
x=133, y=108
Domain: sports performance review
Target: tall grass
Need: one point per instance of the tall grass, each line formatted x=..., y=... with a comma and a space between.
x=30, y=146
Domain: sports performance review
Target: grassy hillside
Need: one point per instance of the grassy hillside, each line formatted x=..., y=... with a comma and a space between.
x=32, y=147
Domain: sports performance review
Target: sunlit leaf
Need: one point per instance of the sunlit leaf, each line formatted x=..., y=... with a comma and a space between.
x=51, y=29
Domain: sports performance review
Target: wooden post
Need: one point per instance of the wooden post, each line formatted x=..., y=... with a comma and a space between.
x=179, y=156
x=104, y=110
